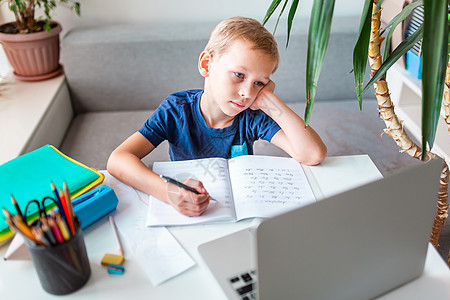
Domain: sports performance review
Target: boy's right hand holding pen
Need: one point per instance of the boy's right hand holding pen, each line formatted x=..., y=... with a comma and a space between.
x=189, y=197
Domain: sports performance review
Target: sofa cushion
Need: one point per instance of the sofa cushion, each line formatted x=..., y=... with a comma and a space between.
x=93, y=136
x=343, y=127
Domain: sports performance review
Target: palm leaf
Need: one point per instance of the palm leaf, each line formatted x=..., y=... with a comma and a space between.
x=279, y=16
x=361, y=49
x=397, y=20
x=434, y=50
x=273, y=6
x=401, y=49
x=290, y=19
x=448, y=38
x=318, y=36
x=394, y=18
x=378, y=5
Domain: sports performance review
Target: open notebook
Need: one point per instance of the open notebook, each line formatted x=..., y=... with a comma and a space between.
x=244, y=187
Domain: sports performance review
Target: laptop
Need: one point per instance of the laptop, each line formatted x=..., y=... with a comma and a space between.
x=359, y=244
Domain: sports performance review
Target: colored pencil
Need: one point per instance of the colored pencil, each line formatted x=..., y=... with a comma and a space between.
x=62, y=227
x=70, y=207
x=16, y=205
x=55, y=229
x=65, y=214
x=39, y=234
x=48, y=232
x=18, y=225
x=16, y=229
x=58, y=200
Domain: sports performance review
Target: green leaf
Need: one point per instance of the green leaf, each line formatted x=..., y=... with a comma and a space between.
x=401, y=49
x=318, y=36
x=271, y=10
x=448, y=36
x=397, y=20
x=379, y=3
x=361, y=49
x=393, y=19
x=77, y=8
x=12, y=7
x=292, y=11
x=279, y=16
x=19, y=4
x=434, y=50
x=291, y=19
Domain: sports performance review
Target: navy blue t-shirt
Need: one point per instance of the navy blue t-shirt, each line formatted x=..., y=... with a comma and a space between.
x=178, y=119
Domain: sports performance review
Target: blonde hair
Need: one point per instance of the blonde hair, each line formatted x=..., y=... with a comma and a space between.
x=246, y=29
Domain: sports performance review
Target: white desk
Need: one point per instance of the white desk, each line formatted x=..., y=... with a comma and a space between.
x=332, y=176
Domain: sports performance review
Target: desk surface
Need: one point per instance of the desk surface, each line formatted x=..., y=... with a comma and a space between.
x=197, y=282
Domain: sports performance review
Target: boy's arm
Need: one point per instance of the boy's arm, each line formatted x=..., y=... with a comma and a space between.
x=125, y=164
x=299, y=141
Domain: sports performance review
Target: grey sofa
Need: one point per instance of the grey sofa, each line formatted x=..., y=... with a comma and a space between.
x=118, y=74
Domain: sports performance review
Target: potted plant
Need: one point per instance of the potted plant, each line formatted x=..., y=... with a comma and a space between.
x=435, y=73
x=32, y=44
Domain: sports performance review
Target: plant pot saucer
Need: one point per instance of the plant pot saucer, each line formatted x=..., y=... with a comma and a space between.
x=39, y=77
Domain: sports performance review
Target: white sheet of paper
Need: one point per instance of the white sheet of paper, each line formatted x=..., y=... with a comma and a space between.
x=214, y=176
x=264, y=186
x=160, y=254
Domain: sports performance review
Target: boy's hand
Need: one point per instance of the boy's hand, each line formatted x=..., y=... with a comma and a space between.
x=261, y=97
x=186, y=202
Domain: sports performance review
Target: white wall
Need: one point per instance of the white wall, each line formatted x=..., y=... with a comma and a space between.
x=167, y=11
x=100, y=12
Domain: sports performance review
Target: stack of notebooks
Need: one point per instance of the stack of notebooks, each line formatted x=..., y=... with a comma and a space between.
x=29, y=177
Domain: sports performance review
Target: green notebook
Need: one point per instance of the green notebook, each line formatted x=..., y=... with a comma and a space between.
x=29, y=176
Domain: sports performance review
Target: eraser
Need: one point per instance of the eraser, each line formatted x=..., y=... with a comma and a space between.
x=112, y=259
x=115, y=269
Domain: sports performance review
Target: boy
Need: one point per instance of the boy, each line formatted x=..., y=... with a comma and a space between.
x=236, y=107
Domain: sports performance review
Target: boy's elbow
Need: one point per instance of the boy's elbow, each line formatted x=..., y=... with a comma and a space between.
x=313, y=157
x=316, y=159
x=111, y=164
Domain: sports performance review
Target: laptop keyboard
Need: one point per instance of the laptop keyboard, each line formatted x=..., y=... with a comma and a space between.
x=244, y=284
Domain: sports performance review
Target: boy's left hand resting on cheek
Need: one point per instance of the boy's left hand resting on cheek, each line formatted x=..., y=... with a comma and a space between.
x=298, y=140
x=259, y=101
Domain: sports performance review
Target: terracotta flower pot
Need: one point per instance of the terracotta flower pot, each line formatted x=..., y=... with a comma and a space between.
x=33, y=56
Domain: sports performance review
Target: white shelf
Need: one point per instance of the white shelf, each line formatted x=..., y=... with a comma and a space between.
x=33, y=114
x=406, y=94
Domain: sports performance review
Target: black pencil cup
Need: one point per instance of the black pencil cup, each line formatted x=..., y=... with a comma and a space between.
x=64, y=268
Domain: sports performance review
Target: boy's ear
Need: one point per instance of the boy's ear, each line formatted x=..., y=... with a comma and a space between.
x=204, y=63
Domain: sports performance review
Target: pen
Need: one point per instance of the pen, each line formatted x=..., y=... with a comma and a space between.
x=181, y=185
